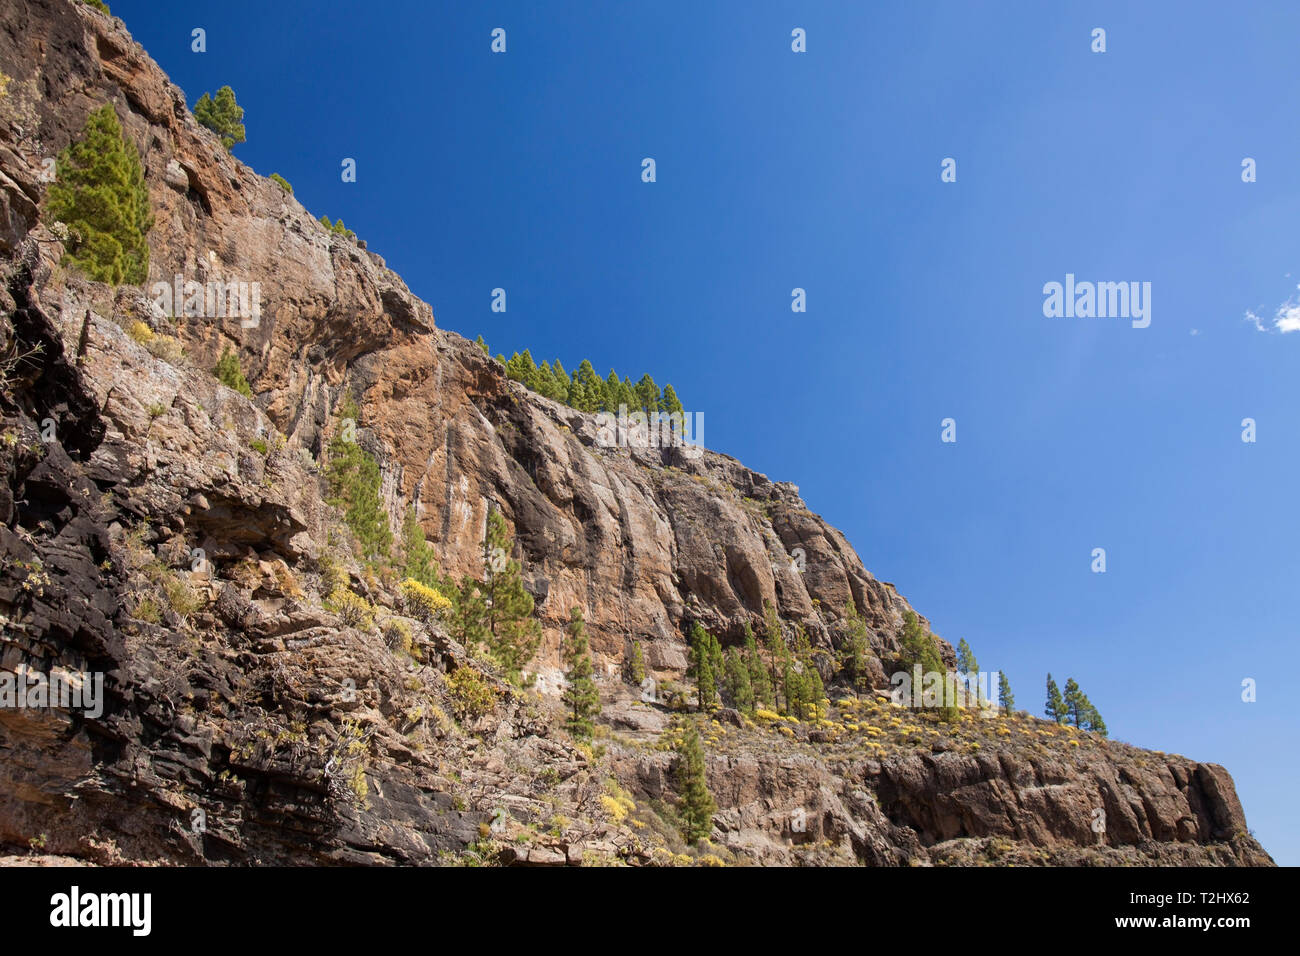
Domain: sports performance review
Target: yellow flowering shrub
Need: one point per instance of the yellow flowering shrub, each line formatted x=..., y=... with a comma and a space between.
x=423, y=603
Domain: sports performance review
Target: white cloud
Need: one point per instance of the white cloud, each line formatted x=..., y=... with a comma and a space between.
x=1285, y=319
x=1288, y=318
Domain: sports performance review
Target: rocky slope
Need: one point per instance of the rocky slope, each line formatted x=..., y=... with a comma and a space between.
x=240, y=702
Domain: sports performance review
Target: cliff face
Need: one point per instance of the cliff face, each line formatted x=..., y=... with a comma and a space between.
x=253, y=706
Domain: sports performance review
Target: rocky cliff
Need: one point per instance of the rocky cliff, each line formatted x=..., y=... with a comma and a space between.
x=238, y=701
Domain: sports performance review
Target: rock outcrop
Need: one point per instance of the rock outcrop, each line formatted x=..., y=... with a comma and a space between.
x=159, y=528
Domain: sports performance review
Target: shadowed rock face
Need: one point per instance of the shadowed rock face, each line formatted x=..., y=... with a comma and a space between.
x=235, y=709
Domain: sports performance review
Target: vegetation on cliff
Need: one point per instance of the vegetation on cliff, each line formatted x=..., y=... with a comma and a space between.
x=585, y=390
x=101, y=197
x=353, y=477
x=696, y=806
x=228, y=372
x=581, y=699
x=222, y=115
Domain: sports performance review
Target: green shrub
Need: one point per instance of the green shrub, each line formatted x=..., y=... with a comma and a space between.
x=229, y=374
x=259, y=446
x=182, y=598
x=98, y=5
x=146, y=609
x=352, y=609
x=332, y=574
x=222, y=115
x=472, y=696
x=101, y=197
x=337, y=227
x=282, y=183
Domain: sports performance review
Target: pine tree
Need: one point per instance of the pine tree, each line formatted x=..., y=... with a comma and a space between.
x=797, y=693
x=966, y=658
x=1074, y=702
x=702, y=660
x=613, y=388
x=483, y=345
x=529, y=368
x=101, y=196
x=627, y=395
x=469, y=613
x=562, y=382
x=590, y=388
x=580, y=696
x=759, y=679
x=635, y=668
x=968, y=670
x=717, y=662
x=515, y=368
x=671, y=403
x=695, y=810
x=419, y=563
x=1093, y=720
x=546, y=380
x=778, y=653
x=337, y=227
x=856, y=649
x=1056, y=709
x=1084, y=713
x=802, y=647
x=647, y=394
x=739, y=691
x=919, y=646
x=814, y=689
x=513, y=632
x=222, y=115
x=354, y=479
x=1005, y=699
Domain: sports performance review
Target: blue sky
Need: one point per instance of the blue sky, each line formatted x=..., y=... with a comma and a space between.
x=821, y=171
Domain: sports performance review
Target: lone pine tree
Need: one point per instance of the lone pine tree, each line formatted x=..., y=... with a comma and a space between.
x=1005, y=699
x=512, y=633
x=581, y=698
x=634, y=669
x=353, y=478
x=696, y=806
